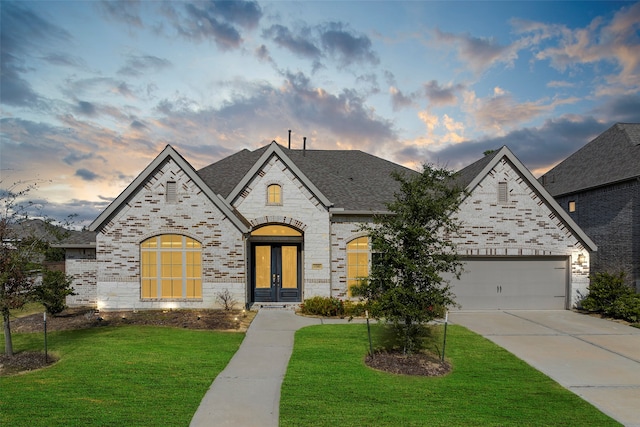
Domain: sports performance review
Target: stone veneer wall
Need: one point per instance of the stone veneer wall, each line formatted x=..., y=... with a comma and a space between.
x=81, y=266
x=148, y=214
x=300, y=209
x=524, y=225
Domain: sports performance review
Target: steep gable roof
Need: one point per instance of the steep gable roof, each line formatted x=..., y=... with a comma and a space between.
x=348, y=180
x=613, y=156
x=164, y=156
x=473, y=174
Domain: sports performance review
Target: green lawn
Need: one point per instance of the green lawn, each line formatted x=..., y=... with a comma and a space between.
x=328, y=384
x=116, y=376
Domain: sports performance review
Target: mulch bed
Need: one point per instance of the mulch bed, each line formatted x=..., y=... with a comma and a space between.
x=419, y=364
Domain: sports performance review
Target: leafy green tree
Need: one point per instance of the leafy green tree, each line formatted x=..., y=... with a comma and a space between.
x=23, y=247
x=412, y=252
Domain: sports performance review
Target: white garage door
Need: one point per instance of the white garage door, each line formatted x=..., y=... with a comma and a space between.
x=528, y=283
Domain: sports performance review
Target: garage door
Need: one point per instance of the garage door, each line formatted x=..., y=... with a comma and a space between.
x=536, y=283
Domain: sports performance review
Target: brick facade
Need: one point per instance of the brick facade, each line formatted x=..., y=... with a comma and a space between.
x=611, y=217
x=148, y=214
x=524, y=225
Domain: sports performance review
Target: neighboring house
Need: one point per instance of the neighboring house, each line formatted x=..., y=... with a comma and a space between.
x=277, y=225
x=599, y=186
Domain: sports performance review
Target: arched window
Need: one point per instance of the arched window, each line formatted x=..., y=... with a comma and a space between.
x=274, y=194
x=357, y=261
x=171, y=267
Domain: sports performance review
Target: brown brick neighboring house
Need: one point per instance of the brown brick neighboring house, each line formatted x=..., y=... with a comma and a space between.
x=599, y=186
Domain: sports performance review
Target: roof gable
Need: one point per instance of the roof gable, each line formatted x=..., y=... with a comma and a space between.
x=612, y=157
x=473, y=174
x=169, y=153
x=344, y=180
x=275, y=150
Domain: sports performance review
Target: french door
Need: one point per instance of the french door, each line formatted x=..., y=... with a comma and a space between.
x=276, y=272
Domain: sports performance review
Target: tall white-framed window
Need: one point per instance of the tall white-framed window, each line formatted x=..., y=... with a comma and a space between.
x=357, y=261
x=171, y=267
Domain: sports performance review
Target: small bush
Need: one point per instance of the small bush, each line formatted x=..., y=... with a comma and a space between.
x=226, y=300
x=609, y=295
x=627, y=307
x=53, y=291
x=323, y=306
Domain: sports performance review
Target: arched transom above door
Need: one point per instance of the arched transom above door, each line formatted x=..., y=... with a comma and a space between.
x=276, y=231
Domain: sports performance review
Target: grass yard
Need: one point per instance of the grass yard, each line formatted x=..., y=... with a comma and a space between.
x=328, y=384
x=116, y=376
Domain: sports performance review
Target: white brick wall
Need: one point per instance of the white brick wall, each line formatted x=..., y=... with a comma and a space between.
x=147, y=214
x=81, y=265
x=524, y=225
x=299, y=209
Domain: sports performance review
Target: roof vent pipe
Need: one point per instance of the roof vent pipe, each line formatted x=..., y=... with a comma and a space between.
x=304, y=146
x=289, y=139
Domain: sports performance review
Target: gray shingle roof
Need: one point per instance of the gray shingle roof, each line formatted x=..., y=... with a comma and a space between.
x=612, y=157
x=350, y=179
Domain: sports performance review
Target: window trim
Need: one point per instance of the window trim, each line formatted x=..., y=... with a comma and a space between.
x=163, y=247
x=275, y=202
x=358, y=252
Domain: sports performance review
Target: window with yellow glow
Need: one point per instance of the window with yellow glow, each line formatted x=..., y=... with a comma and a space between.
x=357, y=261
x=171, y=267
x=274, y=194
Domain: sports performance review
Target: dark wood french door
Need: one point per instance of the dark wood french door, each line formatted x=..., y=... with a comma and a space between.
x=276, y=272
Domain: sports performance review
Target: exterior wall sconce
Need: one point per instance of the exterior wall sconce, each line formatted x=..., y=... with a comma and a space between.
x=581, y=259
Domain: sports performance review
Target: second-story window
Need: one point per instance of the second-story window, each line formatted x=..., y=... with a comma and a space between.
x=274, y=194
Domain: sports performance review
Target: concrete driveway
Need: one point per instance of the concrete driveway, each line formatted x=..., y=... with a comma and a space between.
x=599, y=360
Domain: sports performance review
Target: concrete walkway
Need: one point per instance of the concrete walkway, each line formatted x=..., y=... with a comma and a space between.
x=599, y=360
x=247, y=391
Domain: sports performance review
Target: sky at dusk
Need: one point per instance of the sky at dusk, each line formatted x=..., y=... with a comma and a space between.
x=91, y=92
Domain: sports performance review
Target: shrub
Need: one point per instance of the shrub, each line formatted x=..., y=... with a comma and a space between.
x=226, y=300
x=609, y=295
x=627, y=307
x=53, y=291
x=323, y=306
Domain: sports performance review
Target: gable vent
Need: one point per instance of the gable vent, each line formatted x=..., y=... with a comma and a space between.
x=502, y=192
x=171, y=195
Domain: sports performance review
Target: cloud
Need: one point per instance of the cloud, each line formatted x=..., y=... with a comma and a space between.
x=86, y=108
x=624, y=109
x=330, y=40
x=601, y=43
x=137, y=65
x=502, y=111
x=346, y=46
x=299, y=44
x=23, y=32
x=478, y=53
x=400, y=100
x=216, y=21
x=122, y=11
x=441, y=95
x=539, y=148
x=87, y=175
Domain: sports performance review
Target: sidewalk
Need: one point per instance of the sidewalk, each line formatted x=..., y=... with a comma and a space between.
x=247, y=391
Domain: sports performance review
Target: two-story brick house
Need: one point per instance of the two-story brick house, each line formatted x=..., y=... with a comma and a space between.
x=599, y=186
x=278, y=225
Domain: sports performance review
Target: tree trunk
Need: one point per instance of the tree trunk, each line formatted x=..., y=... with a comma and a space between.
x=8, y=344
